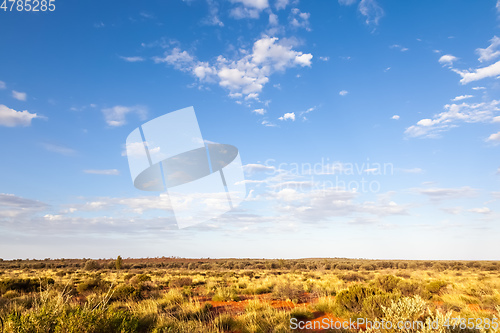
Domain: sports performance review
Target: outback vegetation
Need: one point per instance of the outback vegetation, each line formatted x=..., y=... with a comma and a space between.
x=244, y=295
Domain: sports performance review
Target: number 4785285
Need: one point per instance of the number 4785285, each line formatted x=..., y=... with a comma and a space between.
x=28, y=5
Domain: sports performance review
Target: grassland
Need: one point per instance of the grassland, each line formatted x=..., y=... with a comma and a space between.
x=243, y=295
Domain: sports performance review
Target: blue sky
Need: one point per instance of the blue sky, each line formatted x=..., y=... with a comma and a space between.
x=395, y=105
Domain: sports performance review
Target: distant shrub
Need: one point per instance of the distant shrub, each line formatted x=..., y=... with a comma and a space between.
x=124, y=292
x=91, y=265
x=225, y=294
x=352, y=277
x=287, y=291
x=434, y=287
x=181, y=282
x=352, y=299
x=301, y=313
x=387, y=282
x=225, y=323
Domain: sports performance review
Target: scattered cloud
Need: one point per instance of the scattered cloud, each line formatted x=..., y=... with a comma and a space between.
x=115, y=116
x=447, y=60
x=454, y=114
x=438, y=194
x=54, y=148
x=478, y=88
x=494, y=137
x=491, y=52
x=483, y=210
x=12, y=118
x=256, y=168
x=395, y=117
x=324, y=58
x=299, y=19
x=371, y=10
x=213, y=16
x=479, y=73
x=108, y=172
x=461, y=97
x=259, y=111
x=12, y=206
x=2, y=85
x=347, y=2
x=248, y=8
x=343, y=92
x=244, y=77
x=268, y=124
x=21, y=96
x=288, y=116
x=399, y=47
x=132, y=59
x=281, y=4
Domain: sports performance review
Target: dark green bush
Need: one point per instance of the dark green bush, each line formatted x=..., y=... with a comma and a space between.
x=351, y=299
x=387, y=282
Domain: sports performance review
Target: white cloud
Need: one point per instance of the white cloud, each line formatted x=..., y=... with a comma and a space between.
x=454, y=114
x=273, y=19
x=136, y=149
x=12, y=206
x=177, y=58
x=478, y=88
x=439, y=194
x=281, y=4
x=21, y=96
x=347, y=2
x=343, y=92
x=242, y=13
x=288, y=116
x=12, y=118
x=259, y=111
x=324, y=58
x=399, y=47
x=483, y=210
x=479, y=73
x=2, y=85
x=213, y=17
x=244, y=77
x=255, y=168
x=268, y=124
x=258, y=4
x=115, y=116
x=108, y=172
x=132, y=59
x=371, y=10
x=58, y=149
x=395, y=117
x=461, y=97
x=491, y=52
x=494, y=137
x=299, y=19
x=447, y=59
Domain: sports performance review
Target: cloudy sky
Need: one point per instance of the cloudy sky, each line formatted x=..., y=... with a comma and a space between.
x=367, y=128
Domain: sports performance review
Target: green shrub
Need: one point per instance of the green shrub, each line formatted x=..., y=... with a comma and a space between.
x=434, y=287
x=387, y=282
x=351, y=299
x=287, y=291
x=301, y=313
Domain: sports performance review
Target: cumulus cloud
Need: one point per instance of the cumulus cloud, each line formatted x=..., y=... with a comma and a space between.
x=213, y=17
x=395, y=117
x=107, y=172
x=495, y=137
x=2, y=85
x=288, y=116
x=255, y=168
x=21, y=96
x=12, y=118
x=115, y=116
x=447, y=60
x=248, y=8
x=259, y=111
x=343, y=92
x=244, y=77
x=454, y=114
